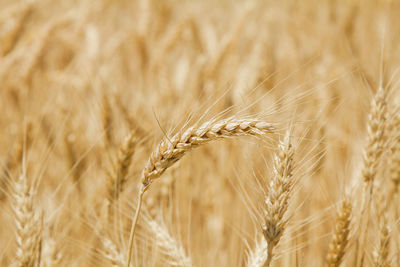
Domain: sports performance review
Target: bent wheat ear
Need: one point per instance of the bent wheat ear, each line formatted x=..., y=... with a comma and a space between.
x=171, y=150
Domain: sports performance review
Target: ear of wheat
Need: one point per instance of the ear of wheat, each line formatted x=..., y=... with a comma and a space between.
x=337, y=247
x=278, y=195
x=171, y=150
x=28, y=224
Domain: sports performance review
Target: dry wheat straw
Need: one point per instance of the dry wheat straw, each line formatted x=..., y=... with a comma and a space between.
x=171, y=150
x=278, y=195
x=337, y=247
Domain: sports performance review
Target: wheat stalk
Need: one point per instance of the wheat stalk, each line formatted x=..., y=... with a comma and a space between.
x=171, y=150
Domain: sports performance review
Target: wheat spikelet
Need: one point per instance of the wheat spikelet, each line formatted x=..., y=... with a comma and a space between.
x=337, y=247
x=277, y=200
x=28, y=224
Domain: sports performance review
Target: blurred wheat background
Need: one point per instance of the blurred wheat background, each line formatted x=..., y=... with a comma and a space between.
x=298, y=102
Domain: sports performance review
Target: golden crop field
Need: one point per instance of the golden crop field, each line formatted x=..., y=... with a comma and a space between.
x=199, y=133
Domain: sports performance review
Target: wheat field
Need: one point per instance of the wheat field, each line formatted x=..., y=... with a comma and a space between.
x=199, y=133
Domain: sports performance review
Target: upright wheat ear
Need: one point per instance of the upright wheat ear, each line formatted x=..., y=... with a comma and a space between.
x=28, y=224
x=277, y=201
x=376, y=139
x=337, y=247
x=171, y=150
x=376, y=128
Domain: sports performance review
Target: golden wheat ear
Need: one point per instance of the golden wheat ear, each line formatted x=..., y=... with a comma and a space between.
x=28, y=223
x=276, y=204
x=337, y=247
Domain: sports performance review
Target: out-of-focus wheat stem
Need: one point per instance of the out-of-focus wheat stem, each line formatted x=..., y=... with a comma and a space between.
x=133, y=227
